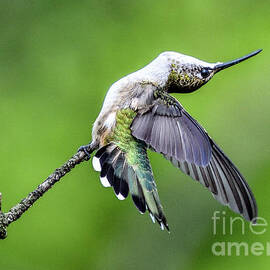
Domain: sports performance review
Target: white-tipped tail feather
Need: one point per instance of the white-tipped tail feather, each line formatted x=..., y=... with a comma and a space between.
x=120, y=196
x=104, y=181
x=152, y=217
x=96, y=164
x=162, y=226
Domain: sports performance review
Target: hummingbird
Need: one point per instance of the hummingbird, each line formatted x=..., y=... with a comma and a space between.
x=138, y=114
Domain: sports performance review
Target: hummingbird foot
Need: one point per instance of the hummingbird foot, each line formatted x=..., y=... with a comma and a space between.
x=87, y=149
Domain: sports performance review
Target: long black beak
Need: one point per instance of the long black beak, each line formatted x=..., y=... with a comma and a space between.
x=222, y=66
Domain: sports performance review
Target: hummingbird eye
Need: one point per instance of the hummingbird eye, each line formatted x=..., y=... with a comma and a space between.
x=205, y=73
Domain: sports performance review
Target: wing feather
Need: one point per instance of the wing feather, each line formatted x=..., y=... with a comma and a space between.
x=168, y=129
x=225, y=182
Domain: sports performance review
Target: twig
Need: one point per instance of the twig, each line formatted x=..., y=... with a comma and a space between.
x=16, y=211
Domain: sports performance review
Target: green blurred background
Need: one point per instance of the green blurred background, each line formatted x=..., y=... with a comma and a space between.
x=57, y=60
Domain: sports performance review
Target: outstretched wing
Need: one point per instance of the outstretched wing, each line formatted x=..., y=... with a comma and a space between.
x=168, y=129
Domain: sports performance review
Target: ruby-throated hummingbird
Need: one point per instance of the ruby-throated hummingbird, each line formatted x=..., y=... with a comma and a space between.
x=139, y=113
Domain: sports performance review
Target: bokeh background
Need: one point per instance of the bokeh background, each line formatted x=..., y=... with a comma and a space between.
x=57, y=60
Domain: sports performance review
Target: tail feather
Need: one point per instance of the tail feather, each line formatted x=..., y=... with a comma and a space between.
x=152, y=200
x=136, y=190
x=120, y=172
x=124, y=177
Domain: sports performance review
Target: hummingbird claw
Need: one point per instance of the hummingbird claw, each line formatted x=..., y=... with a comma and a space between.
x=86, y=149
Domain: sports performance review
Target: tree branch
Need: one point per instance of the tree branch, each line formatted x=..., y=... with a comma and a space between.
x=16, y=211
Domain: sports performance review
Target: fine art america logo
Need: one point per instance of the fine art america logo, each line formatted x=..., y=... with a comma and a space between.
x=226, y=225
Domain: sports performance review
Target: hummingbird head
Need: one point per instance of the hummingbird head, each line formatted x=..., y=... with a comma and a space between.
x=187, y=74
